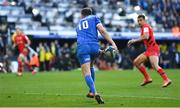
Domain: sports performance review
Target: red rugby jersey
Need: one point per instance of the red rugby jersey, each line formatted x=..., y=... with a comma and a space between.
x=151, y=42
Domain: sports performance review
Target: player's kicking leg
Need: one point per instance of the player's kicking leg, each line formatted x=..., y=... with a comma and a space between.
x=154, y=60
x=89, y=81
x=138, y=62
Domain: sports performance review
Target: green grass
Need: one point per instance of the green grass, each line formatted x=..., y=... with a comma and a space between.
x=118, y=88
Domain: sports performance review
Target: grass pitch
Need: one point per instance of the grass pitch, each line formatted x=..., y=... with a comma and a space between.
x=118, y=89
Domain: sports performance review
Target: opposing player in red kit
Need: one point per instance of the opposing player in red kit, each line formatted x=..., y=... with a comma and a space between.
x=21, y=41
x=152, y=52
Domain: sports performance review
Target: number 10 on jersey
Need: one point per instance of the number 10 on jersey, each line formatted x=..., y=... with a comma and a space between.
x=83, y=25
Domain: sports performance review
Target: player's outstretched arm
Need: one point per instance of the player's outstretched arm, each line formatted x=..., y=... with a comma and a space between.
x=142, y=38
x=14, y=45
x=105, y=34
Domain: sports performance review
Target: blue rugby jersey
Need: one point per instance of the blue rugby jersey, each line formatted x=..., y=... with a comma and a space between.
x=87, y=30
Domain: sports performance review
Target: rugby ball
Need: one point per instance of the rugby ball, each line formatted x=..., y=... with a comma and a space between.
x=110, y=52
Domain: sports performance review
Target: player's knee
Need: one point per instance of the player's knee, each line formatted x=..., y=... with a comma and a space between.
x=135, y=63
x=156, y=67
x=19, y=59
x=86, y=73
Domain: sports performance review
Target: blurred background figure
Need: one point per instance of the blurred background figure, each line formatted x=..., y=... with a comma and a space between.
x=2, y=68
x=21, y=41
x=48, y=59
x=34, y=64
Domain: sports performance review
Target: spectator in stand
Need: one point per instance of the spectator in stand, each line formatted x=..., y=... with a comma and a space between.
x=53, y=52
x=3, y=33
x=178, y=55
x=41, y=51
x=53, y=48
x=1, y=45
x=57, y=63
x=67, y=65
x=165, y=59
x=165, y=11
x=46, y=47
x=176, y=31
x=163, y=47
x=48, y=59
x=73, y=55
x=172, y=55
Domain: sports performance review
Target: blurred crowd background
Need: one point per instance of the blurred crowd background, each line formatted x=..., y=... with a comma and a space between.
x=117, y=15
x=54, y=16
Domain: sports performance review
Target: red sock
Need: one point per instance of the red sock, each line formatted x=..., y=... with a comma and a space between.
x=30, y=68
x=28, y=64
x=20, y=66
x=163, y=74
x=142, y=69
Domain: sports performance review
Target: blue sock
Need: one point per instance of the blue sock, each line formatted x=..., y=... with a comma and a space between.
x=90, y=83
x=93, y=73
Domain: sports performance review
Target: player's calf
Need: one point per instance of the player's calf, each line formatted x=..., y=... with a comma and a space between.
x=164, y=76
x=20, y=67
x=147, y=78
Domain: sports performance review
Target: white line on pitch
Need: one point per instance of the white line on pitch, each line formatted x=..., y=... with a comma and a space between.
x=109, y=95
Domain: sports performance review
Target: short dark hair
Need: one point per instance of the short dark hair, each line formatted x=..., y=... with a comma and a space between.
x=86, y=11
x=141, y=16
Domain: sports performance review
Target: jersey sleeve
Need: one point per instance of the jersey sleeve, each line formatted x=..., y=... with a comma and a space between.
x=26, y=38
x=97, y=20
x=146, y=30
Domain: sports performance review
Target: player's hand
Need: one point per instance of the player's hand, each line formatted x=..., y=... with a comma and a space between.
x=27, y=45
x=14, y=45
x=130, y=42
x=116, y=50
x=115, y=47
x=102, y=51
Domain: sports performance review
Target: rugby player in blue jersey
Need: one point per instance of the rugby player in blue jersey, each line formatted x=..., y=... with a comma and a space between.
x=88, y=48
